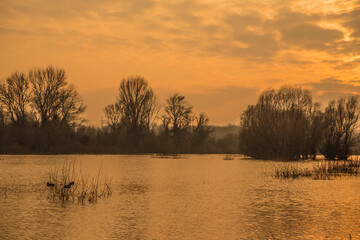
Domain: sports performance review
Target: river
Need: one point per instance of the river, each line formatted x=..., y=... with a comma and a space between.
x=193, y=197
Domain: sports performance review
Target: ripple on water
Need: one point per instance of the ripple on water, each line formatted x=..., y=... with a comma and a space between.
x=197, y=197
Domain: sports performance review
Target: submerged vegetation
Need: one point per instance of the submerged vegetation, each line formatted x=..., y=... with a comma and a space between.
x=69, y=184
x=167, y=156
x=228, y=157
x=321, y=170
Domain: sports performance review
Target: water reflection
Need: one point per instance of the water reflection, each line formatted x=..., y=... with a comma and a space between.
x=200, y=197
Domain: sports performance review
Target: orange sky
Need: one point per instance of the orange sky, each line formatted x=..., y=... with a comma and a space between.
x=220, y=54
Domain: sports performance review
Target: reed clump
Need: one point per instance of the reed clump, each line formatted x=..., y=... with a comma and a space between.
x=292, y=171
x=68, y=184
x=167, y=156
x=322, y=170
x=228, y=157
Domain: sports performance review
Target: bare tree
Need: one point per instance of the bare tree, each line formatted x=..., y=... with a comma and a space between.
x=340, y=122
x=201, y=133
x=279, y=125
x=15, y=96
x=54, y=100
x=113, y=115
x=177, y=117
x=202, y=122
x=135, y=110
x=71, y=106
x=137, y=103
x=151, y=112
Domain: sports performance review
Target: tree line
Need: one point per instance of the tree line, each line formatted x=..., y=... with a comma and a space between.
x=288, y=124
x=133, y=120
x=41, y=112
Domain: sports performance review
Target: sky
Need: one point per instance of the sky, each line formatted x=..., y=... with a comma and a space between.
x=219, y=54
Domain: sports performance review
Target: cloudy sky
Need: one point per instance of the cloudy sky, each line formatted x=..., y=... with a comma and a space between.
x=220, y=54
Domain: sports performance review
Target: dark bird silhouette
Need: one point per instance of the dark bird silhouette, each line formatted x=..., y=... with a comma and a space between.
x=50, y=184
x=68, y=185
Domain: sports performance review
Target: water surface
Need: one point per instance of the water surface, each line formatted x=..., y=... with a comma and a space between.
x=196, y=197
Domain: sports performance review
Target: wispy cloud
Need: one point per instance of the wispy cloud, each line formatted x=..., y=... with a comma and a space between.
x=331, y=88
x=239, y=43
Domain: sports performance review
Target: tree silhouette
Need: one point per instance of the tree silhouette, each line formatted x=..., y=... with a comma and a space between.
x=177, y=118
x=135, y=109
x=113, y=115
x=15, y=96
x=201, y=133
x=279, y=125
x=53, y=99
x=340, y=122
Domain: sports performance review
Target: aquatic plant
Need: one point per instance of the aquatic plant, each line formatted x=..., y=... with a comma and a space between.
x=322, y=170
x=167, y=155
x=228, y=157
x=69, y=184
x=292, y=171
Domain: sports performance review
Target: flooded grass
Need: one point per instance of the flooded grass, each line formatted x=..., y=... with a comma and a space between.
x=168, y=156
x=292, y=171
x=228, y=157
x=322, y=170
x=68, y=184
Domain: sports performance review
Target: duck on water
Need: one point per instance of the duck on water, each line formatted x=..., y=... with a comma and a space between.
x=49, y=184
